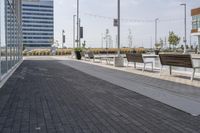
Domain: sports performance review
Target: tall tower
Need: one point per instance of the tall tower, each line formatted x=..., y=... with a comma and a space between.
x=38, y=23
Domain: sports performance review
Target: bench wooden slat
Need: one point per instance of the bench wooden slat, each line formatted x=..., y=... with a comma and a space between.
x=134, y=57
x=178, y=60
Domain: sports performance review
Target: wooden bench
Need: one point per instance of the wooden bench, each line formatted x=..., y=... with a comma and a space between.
x=177, y=60
x=137, y=58
x=89, y=55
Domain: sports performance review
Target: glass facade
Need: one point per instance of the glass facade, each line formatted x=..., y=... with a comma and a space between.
x=196, y=22
x=38, y=23
x=10, y=35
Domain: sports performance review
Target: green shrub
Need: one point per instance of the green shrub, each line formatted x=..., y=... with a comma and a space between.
x=43, y=53
x=47, y=52
x=24, y=53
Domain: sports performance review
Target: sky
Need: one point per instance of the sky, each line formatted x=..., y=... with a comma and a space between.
x=137, y=16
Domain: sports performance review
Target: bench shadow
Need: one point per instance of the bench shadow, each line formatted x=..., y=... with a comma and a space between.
x=187, y=77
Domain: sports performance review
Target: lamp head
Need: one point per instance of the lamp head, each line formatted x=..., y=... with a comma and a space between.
x=183, y=4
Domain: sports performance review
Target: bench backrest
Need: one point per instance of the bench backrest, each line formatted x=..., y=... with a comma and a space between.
x=134, y=57
x=179, y=60
x=83, y=53
x=90, y=54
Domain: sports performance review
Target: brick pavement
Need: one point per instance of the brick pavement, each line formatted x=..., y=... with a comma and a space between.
x=48, y=97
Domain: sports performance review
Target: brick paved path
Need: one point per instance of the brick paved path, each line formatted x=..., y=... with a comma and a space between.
x=48, y=97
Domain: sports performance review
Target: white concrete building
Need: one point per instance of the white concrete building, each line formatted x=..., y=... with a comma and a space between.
x=195, y=13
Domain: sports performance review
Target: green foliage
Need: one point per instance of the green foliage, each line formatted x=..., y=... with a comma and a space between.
x=157, y=45
x=47, y=52
x=78, y=49
x=187, y=47
x=84, y=44
x=160, y=44
x=182, y=47
x=173, y=39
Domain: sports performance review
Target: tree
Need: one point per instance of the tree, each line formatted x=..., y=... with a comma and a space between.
x=130, y=39
x=157, y=45
x=161, y=43
x=84, y=44
x=173, y=39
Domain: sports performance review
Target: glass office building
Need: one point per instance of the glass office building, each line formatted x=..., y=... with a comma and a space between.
x=10, y=35
x=38, y=23
x=195, y=13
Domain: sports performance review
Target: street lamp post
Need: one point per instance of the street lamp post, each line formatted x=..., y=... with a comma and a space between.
x=156, y=29
x=102, y=38
x=74, y=21
x=118, y=28
x=79, y=35
x=63, y=38
x=118, y=61
x=77, y=39
x=185, y=23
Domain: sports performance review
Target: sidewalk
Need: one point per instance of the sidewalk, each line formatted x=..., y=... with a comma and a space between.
x=46, y=96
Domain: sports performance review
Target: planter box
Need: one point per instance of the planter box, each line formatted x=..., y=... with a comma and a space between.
x=157, y=52
x=77, y=55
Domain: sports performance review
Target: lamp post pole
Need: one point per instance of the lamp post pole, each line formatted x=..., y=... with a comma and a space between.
x=185, y=27
x=63, y=38
x=118, y=60
x=156, y=29
x=199, y=42
x=77, y=39
x=79, y=35
x=74, y=21
x=118, y=28
x=102, y=40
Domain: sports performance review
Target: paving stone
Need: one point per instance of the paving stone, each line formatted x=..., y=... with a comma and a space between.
x=55, y=98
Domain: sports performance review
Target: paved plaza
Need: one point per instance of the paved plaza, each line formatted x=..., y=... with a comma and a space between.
x=52, y=96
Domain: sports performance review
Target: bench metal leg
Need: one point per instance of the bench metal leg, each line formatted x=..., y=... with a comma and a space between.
x=134, y=64
x=144, y=67
x=193, y=73
x=161, y=69
x=152, y=66
x=106, y=61
x=170, y=70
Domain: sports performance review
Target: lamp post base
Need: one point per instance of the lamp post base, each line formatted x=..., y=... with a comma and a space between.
x=118, y=61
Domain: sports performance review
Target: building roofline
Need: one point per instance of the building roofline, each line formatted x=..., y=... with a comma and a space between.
x=195, y=11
